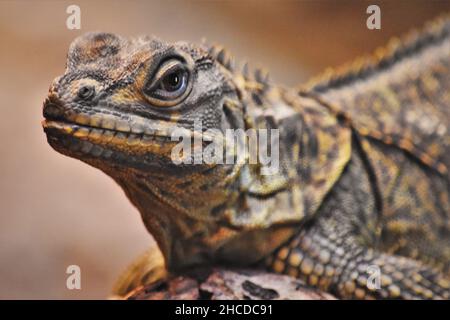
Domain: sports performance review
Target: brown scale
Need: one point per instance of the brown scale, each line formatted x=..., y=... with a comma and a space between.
x=334, y=77
x=257, y=79
x=393, y=69
x=313, y=268
x=403, y=143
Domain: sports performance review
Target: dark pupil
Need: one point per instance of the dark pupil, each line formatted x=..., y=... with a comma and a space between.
x=172, y=82
x=85, y=92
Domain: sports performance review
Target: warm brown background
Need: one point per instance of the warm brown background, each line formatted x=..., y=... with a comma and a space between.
x=56, y=211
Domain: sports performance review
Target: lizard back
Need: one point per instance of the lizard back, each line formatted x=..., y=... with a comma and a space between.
x=400, y=96
x=398, y=104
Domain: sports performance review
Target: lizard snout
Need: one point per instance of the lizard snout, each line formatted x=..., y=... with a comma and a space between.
x=52, y=108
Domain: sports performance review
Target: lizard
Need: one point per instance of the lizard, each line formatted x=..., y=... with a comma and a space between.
x=364, y=153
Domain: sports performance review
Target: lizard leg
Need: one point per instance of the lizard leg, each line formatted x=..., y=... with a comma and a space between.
x=349, y=270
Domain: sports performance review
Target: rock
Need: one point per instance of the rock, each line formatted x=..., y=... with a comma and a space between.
x=226, y=284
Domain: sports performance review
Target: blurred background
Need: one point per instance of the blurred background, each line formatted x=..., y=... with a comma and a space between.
x=56, y=211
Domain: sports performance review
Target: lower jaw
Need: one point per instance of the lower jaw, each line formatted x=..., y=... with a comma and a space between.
x=99, y=151
x=93, y=154
x=77, y=148
x=117, y=150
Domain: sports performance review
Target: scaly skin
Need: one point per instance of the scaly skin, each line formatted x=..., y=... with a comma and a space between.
x=364, y=160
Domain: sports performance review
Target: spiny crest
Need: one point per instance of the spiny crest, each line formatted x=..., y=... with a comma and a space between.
x=258, y=75
x=261, y=76
x=382, y=58
x=223, y=56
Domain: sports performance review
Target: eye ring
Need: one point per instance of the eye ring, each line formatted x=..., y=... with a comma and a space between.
x=170, y=84
x=86, y=92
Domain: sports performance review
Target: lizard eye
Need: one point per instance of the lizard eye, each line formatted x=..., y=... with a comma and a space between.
x=173, y=82
x=86, y=92
x=170, y=84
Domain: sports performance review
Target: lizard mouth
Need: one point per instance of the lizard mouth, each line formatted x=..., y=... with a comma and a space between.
x=95, y=140
x=106, y=138
x=84, y=135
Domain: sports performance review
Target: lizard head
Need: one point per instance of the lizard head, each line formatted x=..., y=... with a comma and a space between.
x=116, y=107
x=119, y=101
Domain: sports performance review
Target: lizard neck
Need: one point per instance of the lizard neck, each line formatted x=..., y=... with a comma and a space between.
x=181, y=211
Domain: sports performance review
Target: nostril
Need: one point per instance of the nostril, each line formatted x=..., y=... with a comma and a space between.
x=86, y=92
x=52, y=110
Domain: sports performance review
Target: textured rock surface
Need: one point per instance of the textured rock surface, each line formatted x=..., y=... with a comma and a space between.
x=223, y=284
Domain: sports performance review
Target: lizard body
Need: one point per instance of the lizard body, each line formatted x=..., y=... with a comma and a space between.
x=363, y=178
